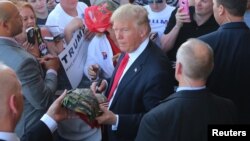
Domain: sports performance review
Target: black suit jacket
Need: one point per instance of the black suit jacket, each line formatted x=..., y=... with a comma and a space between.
x=231, y=74
x=146, y=82
x=184, y=116
x=39, y=132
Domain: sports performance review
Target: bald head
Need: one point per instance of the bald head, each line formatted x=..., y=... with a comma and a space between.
x=10, y=19
x=9, y=84
x=196, y=58
x=5, y=9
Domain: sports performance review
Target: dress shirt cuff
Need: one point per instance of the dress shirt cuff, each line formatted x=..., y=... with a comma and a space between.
x=51, y=71
x=114, y=126
x=50, y=122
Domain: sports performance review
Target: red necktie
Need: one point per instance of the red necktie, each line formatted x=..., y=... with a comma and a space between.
x=118, y=75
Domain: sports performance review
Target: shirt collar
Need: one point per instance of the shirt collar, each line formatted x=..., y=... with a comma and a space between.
x=9, y=38
x=8, y=136
x=190, y=88
x=133, y=55
x=236, y=25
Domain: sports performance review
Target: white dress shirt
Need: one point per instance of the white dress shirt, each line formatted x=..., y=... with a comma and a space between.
x=8, y=136
x=190, y=88
x=50, y=122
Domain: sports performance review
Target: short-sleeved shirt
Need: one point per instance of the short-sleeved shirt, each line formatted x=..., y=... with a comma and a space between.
x=188, y=30
x=159, y=20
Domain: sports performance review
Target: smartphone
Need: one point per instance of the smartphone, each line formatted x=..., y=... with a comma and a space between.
x=31, y=35
x=56, y=38
x=185, y=5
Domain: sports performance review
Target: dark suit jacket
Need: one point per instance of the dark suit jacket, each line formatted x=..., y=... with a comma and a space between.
x=145, y=83
x=184, y=116
x=231, y=74
x=39, y=132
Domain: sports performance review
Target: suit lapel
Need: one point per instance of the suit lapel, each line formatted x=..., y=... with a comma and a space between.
x=131, y=73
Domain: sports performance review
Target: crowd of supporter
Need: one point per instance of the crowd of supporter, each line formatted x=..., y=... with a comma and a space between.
x=168, y=71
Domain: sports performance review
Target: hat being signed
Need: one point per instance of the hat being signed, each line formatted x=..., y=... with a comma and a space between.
x=97, y=17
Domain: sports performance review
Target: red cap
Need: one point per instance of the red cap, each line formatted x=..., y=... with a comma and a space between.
x=97, y=17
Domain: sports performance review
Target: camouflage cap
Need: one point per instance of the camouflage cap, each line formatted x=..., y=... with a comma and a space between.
x=84, y=102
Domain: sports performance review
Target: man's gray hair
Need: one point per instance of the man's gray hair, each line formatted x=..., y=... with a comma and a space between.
x=196, y=58
x=133, y=12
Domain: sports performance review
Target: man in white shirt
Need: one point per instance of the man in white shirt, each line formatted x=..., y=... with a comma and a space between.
x=159, y=13
x=62, y=15
x=65, y=11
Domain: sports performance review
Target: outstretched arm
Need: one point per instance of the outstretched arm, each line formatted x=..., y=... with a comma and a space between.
x=176, y=22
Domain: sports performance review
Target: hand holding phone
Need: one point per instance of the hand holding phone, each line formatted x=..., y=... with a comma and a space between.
x=31, y=35
x=93, y=71
x=185, y=5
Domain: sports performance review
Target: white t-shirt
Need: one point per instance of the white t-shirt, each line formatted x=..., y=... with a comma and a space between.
x=58, y=17
x=74, y=129
x=100, y=52
x=159, y=20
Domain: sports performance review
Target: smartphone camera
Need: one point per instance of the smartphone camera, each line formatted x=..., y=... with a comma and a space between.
x=185, y=5
x=31, y=35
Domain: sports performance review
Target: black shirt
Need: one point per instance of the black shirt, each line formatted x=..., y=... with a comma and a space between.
x=188, y=30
